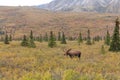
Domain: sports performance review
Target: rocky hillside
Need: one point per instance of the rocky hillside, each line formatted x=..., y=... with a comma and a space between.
x=112, y=6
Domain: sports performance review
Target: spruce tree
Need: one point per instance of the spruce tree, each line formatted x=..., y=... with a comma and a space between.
x=46, y=37
x=10, y=38
x=63, y=39
x=88, y=38
x=37, y=39
x=6, y=40
x=1, y=39
x=85, y=38
x=31, y=41
x=40, y=38
x=55, y=37
x=31, y=35
x=115, y=44
x=24, y=41
x=51, y=42
x=93, y=41
x=71, y=38
x=59, y=36
x=98, y=38
x=107, y=38
x=80, y=39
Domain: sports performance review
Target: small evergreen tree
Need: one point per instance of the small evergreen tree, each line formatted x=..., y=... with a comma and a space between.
x=85, y=38
x=97, y=38
x=6, y=40
x=10, y=38
x=40, y=38
x=37, y=39
x=51, y=42
x=46, y=37
x=115, y=44
x=71, y=38
x=104, y=38
x=80, y=39
x=31, y=35
x=24, y=41
x=93, y=41
x=55, y=38
x=31, y=41
x=59, y=36
x=1, y=39
x=63, y=39
x=88, y=38
x=107, y=38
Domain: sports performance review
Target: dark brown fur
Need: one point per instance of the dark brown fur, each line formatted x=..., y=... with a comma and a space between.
x=72, y=54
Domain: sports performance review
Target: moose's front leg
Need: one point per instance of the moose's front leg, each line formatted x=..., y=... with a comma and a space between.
x=71, y=56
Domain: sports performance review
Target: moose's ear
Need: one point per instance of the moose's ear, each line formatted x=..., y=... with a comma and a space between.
x=64, y=50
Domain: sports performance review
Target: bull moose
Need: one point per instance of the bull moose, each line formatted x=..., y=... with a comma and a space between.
x=72, y=54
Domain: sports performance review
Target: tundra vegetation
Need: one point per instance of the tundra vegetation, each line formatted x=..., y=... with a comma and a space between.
x=46, y=61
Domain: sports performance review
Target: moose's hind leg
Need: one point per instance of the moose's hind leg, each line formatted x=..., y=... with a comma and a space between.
x=79, y=56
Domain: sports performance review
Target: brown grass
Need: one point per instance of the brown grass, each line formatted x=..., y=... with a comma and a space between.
x=23, y=19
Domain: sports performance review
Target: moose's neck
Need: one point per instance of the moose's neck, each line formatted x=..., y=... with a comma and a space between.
x=68, y=50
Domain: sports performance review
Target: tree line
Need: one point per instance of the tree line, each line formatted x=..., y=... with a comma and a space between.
x=112, y=41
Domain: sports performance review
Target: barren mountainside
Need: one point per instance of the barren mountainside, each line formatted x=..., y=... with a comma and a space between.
x=102, y=6
x=20, y=20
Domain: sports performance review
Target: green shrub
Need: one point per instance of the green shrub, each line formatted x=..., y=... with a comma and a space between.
x=31, y=76
x=47, y=76
x=70, y=75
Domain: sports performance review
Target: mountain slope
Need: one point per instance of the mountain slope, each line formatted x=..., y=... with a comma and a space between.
x=112, y=6
x=20, y=20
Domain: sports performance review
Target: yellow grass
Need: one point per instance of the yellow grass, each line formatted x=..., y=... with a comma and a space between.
x=44, y=63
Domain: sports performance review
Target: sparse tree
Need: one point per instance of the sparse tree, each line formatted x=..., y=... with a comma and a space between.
x=59, y=36
x=1, y=39
x=88, y=38
x=40, y=38
x=115, y=44
x=37, y=39
x=97, y=38
x=80, y=39
x=24, y=41
x=71, y=38
x=85, y=38
x=107, y=38
x=55, y=37
x=31, y=35
x=51, y=42
x=63, y=39
x=6, y=40
x=10, y=38
x=93, y=41
x=46, y=37
x=31, y=41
